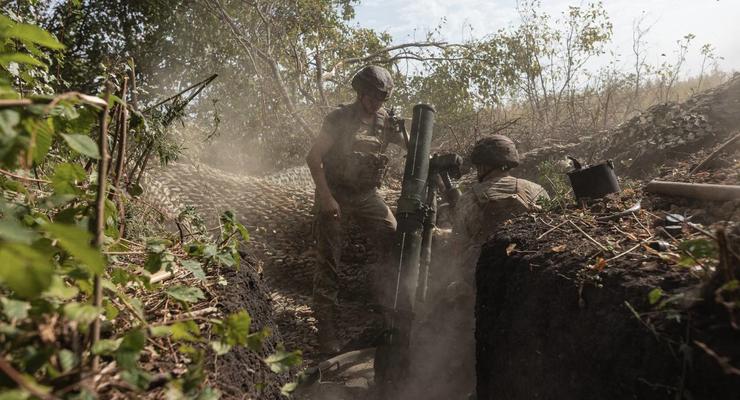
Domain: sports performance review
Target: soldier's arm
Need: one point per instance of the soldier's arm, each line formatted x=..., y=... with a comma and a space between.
x=398, y=134
x=314, y=159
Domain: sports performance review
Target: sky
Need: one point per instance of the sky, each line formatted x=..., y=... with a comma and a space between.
x=716, y=22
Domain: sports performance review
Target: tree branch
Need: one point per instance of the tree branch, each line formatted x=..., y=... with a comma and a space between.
x=269, y=60
x=353, y=60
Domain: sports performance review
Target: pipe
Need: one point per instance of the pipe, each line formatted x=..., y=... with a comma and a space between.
x=699, y=191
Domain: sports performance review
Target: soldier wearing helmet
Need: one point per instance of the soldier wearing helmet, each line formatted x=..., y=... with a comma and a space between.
x=483, y=207
x=495, y=198
x=347, y=163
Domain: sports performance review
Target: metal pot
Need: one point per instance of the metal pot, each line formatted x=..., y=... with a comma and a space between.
x=593, y=182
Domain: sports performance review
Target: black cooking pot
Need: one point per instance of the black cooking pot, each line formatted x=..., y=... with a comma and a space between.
x=593, y=182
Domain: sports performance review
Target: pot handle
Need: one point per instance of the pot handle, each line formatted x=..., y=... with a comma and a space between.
x=576, y=165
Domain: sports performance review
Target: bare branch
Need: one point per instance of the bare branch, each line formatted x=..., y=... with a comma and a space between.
x=249, y=47
x=354, y=60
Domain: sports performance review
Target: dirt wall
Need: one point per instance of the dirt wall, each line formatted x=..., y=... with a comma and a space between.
x=542, y=333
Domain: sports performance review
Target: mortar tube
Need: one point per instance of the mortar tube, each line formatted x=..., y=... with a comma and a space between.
x=392, y=357
x=430, y=222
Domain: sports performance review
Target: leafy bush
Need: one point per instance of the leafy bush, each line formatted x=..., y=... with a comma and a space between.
x=56, y=258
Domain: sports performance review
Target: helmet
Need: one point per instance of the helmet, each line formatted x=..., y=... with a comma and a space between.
x=373, y=80
x=496, y=151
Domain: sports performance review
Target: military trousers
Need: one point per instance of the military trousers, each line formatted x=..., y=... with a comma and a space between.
x=376, y=220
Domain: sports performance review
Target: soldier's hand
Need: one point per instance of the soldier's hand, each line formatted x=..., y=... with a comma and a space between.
x=329, y=206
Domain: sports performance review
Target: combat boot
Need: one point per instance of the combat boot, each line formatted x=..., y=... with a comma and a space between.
x=329, y=343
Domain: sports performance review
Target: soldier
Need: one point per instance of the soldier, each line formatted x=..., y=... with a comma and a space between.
x=347, y=165
x=495, y=198
x=483, y=207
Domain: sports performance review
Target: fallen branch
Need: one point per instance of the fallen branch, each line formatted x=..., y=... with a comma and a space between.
x=160, y=277
x=23, y=178
x=551, y=229
x=630, y=250
x=702, y=165
x=200, y=85
x=195, y=314
x=600, y=246
x=21, y=381
x=621, y=214
x=723, y=362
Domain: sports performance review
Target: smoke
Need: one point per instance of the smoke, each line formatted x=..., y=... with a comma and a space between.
x=443, y=338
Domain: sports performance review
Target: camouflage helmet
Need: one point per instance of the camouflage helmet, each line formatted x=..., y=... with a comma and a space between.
x=496, y=151
x=373, y=80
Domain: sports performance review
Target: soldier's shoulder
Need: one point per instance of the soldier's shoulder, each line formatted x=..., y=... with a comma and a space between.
x=340, y=113
x=530, y=190
x=526, y=184
x=500, y=187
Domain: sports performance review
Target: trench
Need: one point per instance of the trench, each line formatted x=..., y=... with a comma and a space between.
x=543, y=331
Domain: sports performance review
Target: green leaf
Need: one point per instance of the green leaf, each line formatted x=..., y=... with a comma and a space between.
x=106, y=346
x=164, y=260
x=185, y=330
x=82, y=144
x=655, y=295
x=15, y=309
x=257, y=339
x=13, y=231
x=225, y=259
x=83, y=314
x=14, y=186
x=195, y=268
x=209, y=393
x=65, y=178
x=157, y=245
x=9, y=120
x=24, y=270
x=185, y=294
x=160, y=331
x=14, y=394
x=236, y=328
x=700, y=248
x=34, y=34
x=128, y=351
x=288, y=388
x=60, y=290
x=43, y=133
x=243, y=231
x=282, y=360
x=77, y=243
x=111, y=311
x=137, y=378
x=67, y=360
x=20, y=58
x=220, y=348
x=210, y=250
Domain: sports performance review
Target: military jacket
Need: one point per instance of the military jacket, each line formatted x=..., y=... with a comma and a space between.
x=488, y=204
x=355, y=162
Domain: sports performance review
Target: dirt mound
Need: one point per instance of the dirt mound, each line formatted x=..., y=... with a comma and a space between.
x=241, y=373
x=582, y=306
x=661, y=134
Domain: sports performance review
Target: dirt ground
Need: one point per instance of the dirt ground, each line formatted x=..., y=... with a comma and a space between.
x=241, y=373
x=587, y=306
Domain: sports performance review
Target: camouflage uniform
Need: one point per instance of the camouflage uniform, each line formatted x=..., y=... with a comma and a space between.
x=484, y=207
x=353, y=166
